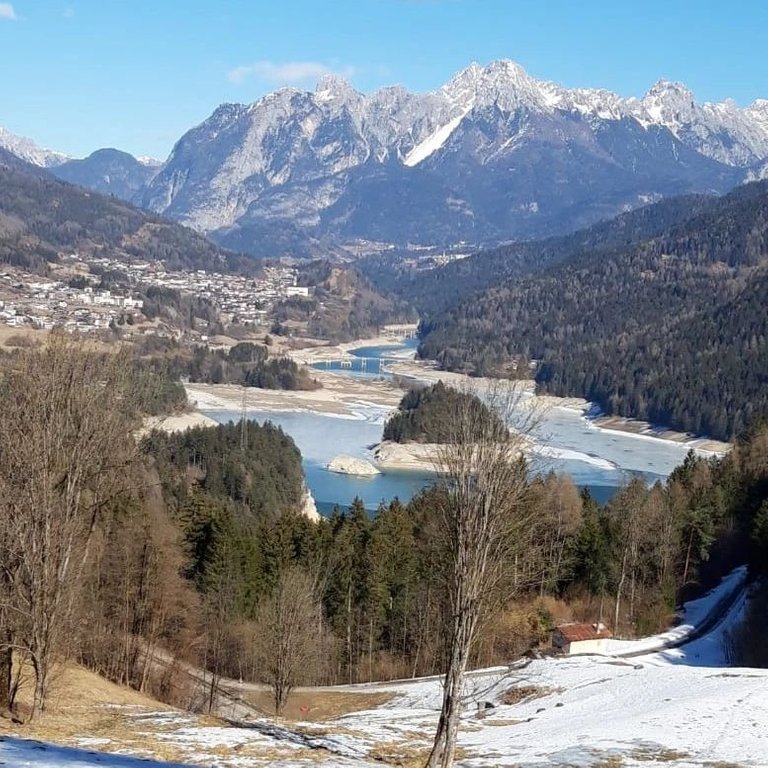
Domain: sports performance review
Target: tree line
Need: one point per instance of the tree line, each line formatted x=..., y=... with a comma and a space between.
x=671, y=330
x=436, y=290
x=135, y=558
x=246, y=363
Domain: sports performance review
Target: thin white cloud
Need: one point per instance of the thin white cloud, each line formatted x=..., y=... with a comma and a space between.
x=289, y=72
x=7, y=12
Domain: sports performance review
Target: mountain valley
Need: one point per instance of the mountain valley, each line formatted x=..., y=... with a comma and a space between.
x=418, y=425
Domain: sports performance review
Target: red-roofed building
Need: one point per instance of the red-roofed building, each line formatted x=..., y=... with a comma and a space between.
x=581, y=637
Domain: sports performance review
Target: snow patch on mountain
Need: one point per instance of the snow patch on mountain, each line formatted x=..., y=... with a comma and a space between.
x=150, y=162
x=721, y=130
x=27, y=150
x=432, y=143
x=331, y=158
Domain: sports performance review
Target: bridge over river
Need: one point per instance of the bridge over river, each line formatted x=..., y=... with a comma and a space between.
x=372, y=366
x=400, y=331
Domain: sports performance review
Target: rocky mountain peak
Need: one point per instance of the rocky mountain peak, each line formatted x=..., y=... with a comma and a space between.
x=503, y=82
x=669, y=103
x=669, y=89
x=26, y=149
x=485, y=157
x=758, y=110
x=332, y=87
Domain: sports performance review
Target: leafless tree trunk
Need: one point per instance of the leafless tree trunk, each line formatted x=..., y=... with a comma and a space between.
x=6, y=669
x=65, y=442
x=484, y=523
x=289, y=644
x=629, y=510
x=8, y=568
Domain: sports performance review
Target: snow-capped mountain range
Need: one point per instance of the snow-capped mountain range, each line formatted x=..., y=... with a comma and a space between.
x=494, y=154
x=26, y=149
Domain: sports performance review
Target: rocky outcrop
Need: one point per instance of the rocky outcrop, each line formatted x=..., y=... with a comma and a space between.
x=308, y=506
x=424, y=457
x=351, y=465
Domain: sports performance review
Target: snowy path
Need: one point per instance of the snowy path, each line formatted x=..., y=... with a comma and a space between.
x=653, y=705
x=699, y=618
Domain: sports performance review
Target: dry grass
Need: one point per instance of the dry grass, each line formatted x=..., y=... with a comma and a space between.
x=407, y=756
x=318, y=706
x=84, y=705
x=76, y=691
x=613, y=761
x=519, y=694
x=662, y=755
x=12, y=337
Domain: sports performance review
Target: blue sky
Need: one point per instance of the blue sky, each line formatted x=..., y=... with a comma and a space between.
x=76, y=75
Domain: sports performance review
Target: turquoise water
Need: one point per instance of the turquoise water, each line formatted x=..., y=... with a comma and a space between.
x=369, y=362
x=320, y=438
x=566, y=442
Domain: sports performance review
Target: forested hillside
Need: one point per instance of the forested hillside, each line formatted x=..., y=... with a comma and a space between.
x=42, y=217
x=433, y=290
x=254, y=470
x=343, y=305
x=672, y=330
x=189, y=545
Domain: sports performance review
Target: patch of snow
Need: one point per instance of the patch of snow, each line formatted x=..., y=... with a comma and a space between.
x=692, y=614
x=680, y=708
x=566, y=454
x=432, y=143
x=150, y=162
x=26, y=149
x=26, y=753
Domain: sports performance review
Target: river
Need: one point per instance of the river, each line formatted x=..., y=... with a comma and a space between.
x=566, y=441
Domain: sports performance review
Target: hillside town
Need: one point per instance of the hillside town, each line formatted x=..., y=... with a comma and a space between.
x=75, y=297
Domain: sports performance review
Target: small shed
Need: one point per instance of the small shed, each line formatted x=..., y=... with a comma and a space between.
x=580, y=637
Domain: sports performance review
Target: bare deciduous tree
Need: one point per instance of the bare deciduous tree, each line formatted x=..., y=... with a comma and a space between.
x=485, y=525
x=558, y=519
x=629, y=512
x=288, y=642
x=66, y=416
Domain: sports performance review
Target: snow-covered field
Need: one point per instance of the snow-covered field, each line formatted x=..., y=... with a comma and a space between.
x=681, y=707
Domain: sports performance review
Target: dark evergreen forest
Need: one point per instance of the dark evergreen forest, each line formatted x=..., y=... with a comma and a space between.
x=672, y=329
x=425, y=415
x=246, y=364
x=435, y=290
